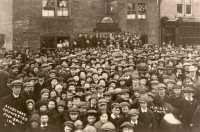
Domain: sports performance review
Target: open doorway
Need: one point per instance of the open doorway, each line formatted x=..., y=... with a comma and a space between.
x=52, y=42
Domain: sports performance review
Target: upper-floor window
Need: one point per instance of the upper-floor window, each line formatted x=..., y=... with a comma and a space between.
x=188, y=7
x=180, y=4
x=136, y=11
x=55, y=8
x=131, y=14
x=184, y=7
x=141, y=11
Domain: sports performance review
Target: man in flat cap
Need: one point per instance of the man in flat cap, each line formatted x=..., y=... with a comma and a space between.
x=187, y=107
x=13, y=102
x=138, y=126
x=146, y=116
x=127, y=127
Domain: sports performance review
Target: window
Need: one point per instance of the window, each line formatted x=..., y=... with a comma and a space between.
x=131, y=14
x=180, y=6
x=184, y=7
x=48, y=8
x=62, y=9
x=141, y=11
x=188, y=7
x=52, y=8
x=111, y=8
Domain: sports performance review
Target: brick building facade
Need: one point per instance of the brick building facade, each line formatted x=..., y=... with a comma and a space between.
x=180, y=21
x=35, y=23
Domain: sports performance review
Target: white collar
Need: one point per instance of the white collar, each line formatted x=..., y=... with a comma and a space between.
x=113, y=116
x=15, y=96
x=189, y=99
x=43, y=125
x=143, y=110
x=134, y=122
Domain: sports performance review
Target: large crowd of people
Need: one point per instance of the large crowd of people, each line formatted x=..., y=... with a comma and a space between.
x=105, y=83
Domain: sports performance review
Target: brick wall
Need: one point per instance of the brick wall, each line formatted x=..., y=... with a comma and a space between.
x=84, y=16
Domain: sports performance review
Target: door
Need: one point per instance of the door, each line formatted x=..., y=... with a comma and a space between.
x=48, y=42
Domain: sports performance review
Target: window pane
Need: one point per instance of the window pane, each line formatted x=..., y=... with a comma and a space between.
x=188, y=9
x=141, y=11
x=62, y=3
x=130, y=6
x=141, y=7
x=62, y=8
x=180, y=8
x=48, y=7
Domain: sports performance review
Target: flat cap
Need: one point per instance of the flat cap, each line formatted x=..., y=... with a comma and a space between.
x=124, y=104
x=133, y=112
x=44, y=91
x=73, y=110
x=127, y=124
x=69, y=123
x=188, y=90
x=17, y=83
x=102, y=101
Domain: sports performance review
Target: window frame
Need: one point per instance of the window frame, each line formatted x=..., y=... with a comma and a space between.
x=145, y=12
x=56, y=8
x=183, y=9
x=191, y=5
x=135, y=10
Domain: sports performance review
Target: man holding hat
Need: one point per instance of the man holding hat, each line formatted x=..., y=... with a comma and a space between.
x=13, y=102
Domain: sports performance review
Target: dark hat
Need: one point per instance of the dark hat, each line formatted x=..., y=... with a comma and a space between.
x=188, y=90
x=94, y=96
x=143, y=99
x=125, y=104
x=73, y=110
x=160, y=68
x=133, y=112
x=124, y=91
x=121, y=79
x=14, y=66
x=17, y=83
x=83, y=105
x=61, y=103
x=79, y=89
x=108, y=127
x=91, y=111
x=44, y=102
x=69, y=123
x=30, y=101
x=127, y=124
x=44, y=91
x=52, y=71
x=108, y=93
x=161, y=86
x=35, y=117
x=44, y=65
x=171, y=81
x=41, y=75
x=115, y=105
x=54, y=78
x=102, y=101
x=177, y=87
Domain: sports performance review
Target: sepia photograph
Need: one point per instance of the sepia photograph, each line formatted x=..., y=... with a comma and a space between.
x=99, y=65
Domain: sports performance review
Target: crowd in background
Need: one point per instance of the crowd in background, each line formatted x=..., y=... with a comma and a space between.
x=104, y=83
